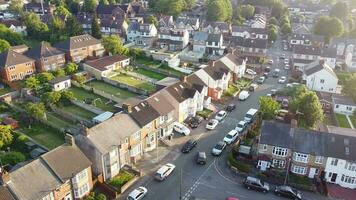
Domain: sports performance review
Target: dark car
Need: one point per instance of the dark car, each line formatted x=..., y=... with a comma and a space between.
x=267, y=69
x=288, y=192
x=230, y=107
x=266, y=74
x=188, y=146
x=255, y=184
x=201, y=158
x=194, y=122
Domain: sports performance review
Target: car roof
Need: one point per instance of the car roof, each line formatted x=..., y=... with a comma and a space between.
x=162, y=169
x=221, y=143
x=242, y=122
x=232, y=132
x=135, y=192
x=222, y=112
x=250, y=178
x=202, y=154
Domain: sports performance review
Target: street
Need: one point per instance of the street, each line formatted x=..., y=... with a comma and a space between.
x=214, y=180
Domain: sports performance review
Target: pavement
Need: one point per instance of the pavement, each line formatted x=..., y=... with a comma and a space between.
x=214, y=180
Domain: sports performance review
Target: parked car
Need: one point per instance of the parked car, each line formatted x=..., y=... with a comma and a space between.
x=221, y=115
x=218, y=148
x=286, y=67
x=267, y=69
x=164, y=171
x=261, y=80
x=266, y=74
x=274, y=92
x=251, y=115
x=283, y=56
x=230, y=107
x=231, y=136
x=188, y=146
x=137, y=193
x=282, y=80
x=201, y=158
x=244, y=95
x=253, y=87
x=255, y=184
x=212, y=124
x=194, y=122
x=288, y=192
x=275, y=73
x=270, y=62
x=241, y=126
x=250, y=72
x=180, y=128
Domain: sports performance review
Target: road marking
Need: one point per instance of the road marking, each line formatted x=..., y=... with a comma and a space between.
x=223, y=176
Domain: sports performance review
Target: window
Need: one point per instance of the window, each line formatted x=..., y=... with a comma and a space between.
x=337, y=106
x=348, y=108
x=264, y=147
x=81, y=191
x=300, y=157
x=278, y=163
x=348, y=179
x=319, y=159
x=334, y=161
x=299, y=170
x=80, y=176
x=136, y=136
x=350, y=166
x=322, y=80
x=278, y=151
x=48, y=197
x=136, y=150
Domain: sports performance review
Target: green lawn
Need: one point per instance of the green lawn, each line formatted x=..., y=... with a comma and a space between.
x=47, y=136
x=98, y=101
x=353, y=120
x=129, y=80
x=119, y=180
x=157, y=65
x=342, y=121
x=150, y=74
x=231, y=90
x=57, y=120
x=107, y=88
x=76, y=110
x=170, y=70
x=148, y=62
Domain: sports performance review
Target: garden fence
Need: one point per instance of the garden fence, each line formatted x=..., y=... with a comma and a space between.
x=125, y=86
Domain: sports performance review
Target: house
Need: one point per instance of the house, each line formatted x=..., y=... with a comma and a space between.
x=235, y=63
x=325, y=99
x=173, y=38
x=19, y=48
x=38, y=8
x=138, y=8
x=165, y=21
x=16, y=26
x=318, y=76
x=345, y=51
x=343, y=104
x=215, y=44
x=328, y=54
x=60, y=83
x=192, y=24
x=199, y=41
x=248, y=32
x=15, y=66
x=111, y=144
x=46, y=58
x=306, y=40
x=114, y=27
x=78, y=48
x=110, y=12
x=217, y=27
x=85, y=20
x=304, y=55
x=252, y=49
x=141, y=34
x=63, y=173
x=258, y=21
x=102, y=67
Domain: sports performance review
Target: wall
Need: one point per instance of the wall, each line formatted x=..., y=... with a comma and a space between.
x=90, y=108
x=342, y=109
x=125, y=86
x=23, y=69
x=329, y=85
x=62, y=85
x=339, y=170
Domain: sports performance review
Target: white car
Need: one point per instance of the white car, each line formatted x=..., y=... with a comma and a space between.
x=221, y=115
x=212, y=124
x=163, y=172
x=286, y=67
x=231, y=136
x=241, y=126
x=282, y=80
x=270, y=62
x=218, y=148
x=251, y=72
x=137, y=194
x=180, y=128
x=244, y=95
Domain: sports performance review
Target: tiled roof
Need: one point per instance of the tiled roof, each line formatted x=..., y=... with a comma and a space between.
x=77, y=42
x=143, y=113
x=10, y=58
x=102, y=63
x=42, y=51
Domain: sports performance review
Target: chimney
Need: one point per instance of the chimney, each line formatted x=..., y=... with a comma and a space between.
x=294, y=123
x=69, y=139
x=321, y=61
x=4, y=176
x=85, y=130
x=184, y=79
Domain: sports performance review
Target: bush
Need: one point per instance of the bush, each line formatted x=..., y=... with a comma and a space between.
x=205, y=113
x=243, y=167
x=122, y=178
x=12, y=158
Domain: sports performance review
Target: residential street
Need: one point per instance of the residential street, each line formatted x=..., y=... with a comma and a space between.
x=214, y=180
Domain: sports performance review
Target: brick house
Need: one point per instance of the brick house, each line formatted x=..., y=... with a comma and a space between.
x=15, y=66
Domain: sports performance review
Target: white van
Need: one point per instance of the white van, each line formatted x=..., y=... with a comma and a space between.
x=243, y=95
x=250, y=115
x=163, y=172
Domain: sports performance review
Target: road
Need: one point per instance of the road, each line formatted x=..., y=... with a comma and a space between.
x=214, y=180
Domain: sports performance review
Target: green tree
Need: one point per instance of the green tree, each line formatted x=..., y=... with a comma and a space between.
x=72, y=27
x=71, y=68
x=5, y=135
x=219, y=10
x=104, y=2
x=80, y=79
x=95, y=27
x=268, y=107
x=286, y=29
x=36, y=110
x=57, y=32
x=59, y=73
x=52, y=97
x=272, y=32
x=67, y=95
x=189, y=4
x=136, y=53
x=100, y=197
x=246, y=11
x=340, y=10
x=32, y=82
x=10, y=36
x=35, y=27
x=90, y=5
x=329, y=27
x=4, y=45
x=16, y=6
x=152, y=20
x=45, y=77
x=74, y=6
x=113, y=45
x=62, y=11
x=12, y=158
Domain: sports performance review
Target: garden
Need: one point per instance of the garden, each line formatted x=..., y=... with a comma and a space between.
x=150, y=74
x=154, y=64
x=342, y=120
x=134, y=82
x=78, y=111
x=121, y=179
x=110, y=89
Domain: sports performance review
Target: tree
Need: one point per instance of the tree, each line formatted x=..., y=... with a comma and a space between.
x=152, y=20
x=104, y=2
x=340, y=10
x=219, y=10
x=4, y=45
x=12, y=158
x=56, y=26
x=272, y=32
x=59, y=73
x=329, y=27
x=113, y=45
x=80, y=79
x=136, y=53
x=62, y=11
x=45, y=77
x=52, y=97
x=95, y=27
x=35, y=27
x=72, y=26
x=71, y=68
x=74, y=6
x=189, y=4
x=16, y=6
x=90, y=5
x=67, y=95
x=36, y=110
x=268, y=107
x=100, y=197
x=246, y=11
x=32, y=82
x=5, y=135
x=273, y=21
x=286, y=29
x=10, y=36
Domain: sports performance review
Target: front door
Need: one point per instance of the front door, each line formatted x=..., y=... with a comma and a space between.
x=312, y=172
x=333, y=177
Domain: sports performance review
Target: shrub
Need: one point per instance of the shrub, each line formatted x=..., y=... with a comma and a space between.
x=243, y=167
x=12, y=158
x=122, y=178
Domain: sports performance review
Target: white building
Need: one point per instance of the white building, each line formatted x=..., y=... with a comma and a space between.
x=318, y=76
x=104, y=66
x=141, y=34
x=215, y=44
x=61, y=83
x=174, y=39
x=199, y=41
x=248, y=32
x=343, y=105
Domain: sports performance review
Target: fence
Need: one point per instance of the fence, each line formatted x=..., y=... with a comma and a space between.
x=141, y=77
x=157, y=70
x=71, y=117
x=126, y=87
x=88, y=107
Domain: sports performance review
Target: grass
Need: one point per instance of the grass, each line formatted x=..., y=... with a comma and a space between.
x=342, y=121
x=44, y=135
x=353, y=120
x=205, y=113
x=5, y=90
x=170, y=70
x=150, y=74
x=76, y=110
x=107, y=88
x=148, y=62
x=158, y=65
x=231, y=90
x=119, y=180
x=98, y=101
x=243, y=82
x=134, y=82
x=59, y=121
